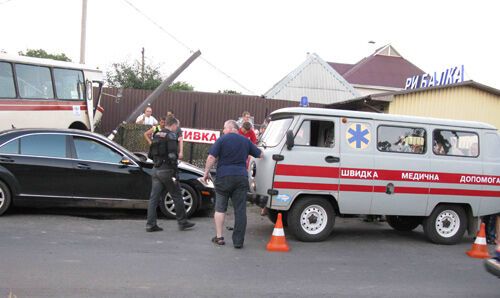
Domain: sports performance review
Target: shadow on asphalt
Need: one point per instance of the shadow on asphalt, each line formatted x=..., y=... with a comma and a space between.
x=95, y=213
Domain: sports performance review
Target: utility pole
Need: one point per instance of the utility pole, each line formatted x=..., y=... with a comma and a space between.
x=84, y=32
x=157, y=92
x=142, y=65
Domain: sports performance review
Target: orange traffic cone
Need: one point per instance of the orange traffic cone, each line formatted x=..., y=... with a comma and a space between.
x=479, y=249
x=278, y=240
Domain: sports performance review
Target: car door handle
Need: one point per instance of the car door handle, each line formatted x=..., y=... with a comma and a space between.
x=6, y=159
x=332, y=159
x=83, y=166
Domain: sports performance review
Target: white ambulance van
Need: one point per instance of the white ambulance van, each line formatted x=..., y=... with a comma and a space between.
x=323, y=163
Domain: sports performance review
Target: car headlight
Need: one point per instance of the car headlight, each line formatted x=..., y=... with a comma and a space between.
x=209, y=183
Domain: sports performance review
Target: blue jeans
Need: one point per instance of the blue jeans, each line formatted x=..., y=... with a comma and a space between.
x=234, y=188
x=162, y=182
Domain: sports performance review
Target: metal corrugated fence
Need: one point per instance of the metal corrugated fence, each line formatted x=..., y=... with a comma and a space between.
x=194, y=109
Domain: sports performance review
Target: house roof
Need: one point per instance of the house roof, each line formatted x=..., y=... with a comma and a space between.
x=385, y=67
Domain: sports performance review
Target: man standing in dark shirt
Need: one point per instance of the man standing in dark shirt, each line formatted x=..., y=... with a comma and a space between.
x=230, y=152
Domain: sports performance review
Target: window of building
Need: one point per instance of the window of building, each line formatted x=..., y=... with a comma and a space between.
x=49, y=145
x=316, y=133
x=10, y=148
x=34, y=81
x=455, y=143
x=69, y=84
x=401, y=139
x=88, y=149
x=7, y=87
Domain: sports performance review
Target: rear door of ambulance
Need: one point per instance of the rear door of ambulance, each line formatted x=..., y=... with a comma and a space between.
x=312, y=165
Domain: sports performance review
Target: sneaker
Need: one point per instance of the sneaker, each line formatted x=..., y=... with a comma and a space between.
x=186, y=225
x=153, y=229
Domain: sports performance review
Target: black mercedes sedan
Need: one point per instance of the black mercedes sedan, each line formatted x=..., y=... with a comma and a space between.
x=74, y=168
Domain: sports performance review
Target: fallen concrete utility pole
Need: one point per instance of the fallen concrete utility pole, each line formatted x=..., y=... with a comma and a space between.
x=156, y=93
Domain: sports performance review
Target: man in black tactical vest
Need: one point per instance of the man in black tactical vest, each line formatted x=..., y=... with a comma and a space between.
x=164, y=152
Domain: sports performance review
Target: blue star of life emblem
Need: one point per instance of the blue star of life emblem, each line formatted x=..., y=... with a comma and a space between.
x=359, y=137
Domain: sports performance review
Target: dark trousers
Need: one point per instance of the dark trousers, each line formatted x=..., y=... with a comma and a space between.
x=162, y=182
x=490, y=223
x=234, y=188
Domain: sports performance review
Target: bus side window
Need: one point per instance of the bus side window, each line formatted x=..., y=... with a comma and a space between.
x=34, y=81
x=7, y=88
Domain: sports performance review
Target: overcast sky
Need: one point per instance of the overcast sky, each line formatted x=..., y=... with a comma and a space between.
x=258, y=42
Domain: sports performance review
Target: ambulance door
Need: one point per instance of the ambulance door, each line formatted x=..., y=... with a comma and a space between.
x=403, y=166
x=356, y=161
x=311, y=166
x=490, y=144
x=455, y=156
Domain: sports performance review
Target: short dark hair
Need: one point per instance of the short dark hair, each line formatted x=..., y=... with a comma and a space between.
x=247, y=125
x=163, y=118
x=246, y=113
x=171, y=121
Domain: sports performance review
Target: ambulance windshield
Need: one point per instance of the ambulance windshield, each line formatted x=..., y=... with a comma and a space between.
x=275, y=132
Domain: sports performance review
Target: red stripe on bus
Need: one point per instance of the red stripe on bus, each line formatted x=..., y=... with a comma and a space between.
x=308, y=171
x=44, y=107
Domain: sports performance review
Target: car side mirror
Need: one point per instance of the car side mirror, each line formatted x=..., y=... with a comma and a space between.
x=289, y=140
x=125, y=161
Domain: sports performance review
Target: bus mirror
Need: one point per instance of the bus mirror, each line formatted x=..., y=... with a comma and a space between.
x=89, y=89
x=289, y=140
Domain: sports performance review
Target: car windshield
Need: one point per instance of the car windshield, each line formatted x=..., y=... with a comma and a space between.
x=275, y=132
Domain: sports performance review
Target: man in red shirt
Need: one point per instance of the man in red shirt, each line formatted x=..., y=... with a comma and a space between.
x=247, y=131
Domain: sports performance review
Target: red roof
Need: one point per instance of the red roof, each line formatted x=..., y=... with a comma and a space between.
x=378, y=70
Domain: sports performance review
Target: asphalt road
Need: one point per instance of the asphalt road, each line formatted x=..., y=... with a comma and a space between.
x=93, y=254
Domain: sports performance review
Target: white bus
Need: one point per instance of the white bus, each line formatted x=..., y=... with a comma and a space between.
x=47, y=93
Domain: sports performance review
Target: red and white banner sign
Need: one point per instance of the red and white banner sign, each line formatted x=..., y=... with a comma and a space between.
x=200, y=136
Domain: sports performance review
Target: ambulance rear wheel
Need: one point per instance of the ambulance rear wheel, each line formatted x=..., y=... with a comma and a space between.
x=403, y=223
x=311, y=219
x=446, y=224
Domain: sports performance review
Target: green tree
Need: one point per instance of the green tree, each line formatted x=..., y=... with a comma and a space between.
x=127, y=75
x=181, y=86
x=40, y=53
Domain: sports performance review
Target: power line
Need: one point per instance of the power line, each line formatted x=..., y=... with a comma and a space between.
x=187, y=47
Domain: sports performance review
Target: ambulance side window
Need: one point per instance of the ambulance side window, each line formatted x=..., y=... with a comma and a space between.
x=455, y=143
x=316, y=133
x=401, y=139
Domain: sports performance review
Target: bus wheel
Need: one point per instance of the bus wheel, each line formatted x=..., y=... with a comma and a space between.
x=446, y=224
x=5, y=198
x=403, y=223
x=311, y=219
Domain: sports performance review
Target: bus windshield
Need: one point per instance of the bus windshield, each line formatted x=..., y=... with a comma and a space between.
x=275, y=132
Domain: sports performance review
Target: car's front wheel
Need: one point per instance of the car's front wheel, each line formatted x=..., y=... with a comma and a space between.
x=5, y=198
x=190, y=198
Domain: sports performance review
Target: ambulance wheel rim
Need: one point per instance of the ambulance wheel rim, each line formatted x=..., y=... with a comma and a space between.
x=2, y=197
x=186, y=197
x=447, y=223
x=313, y=219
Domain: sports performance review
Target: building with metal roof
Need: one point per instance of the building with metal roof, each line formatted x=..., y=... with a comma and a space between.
x=468, y=100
